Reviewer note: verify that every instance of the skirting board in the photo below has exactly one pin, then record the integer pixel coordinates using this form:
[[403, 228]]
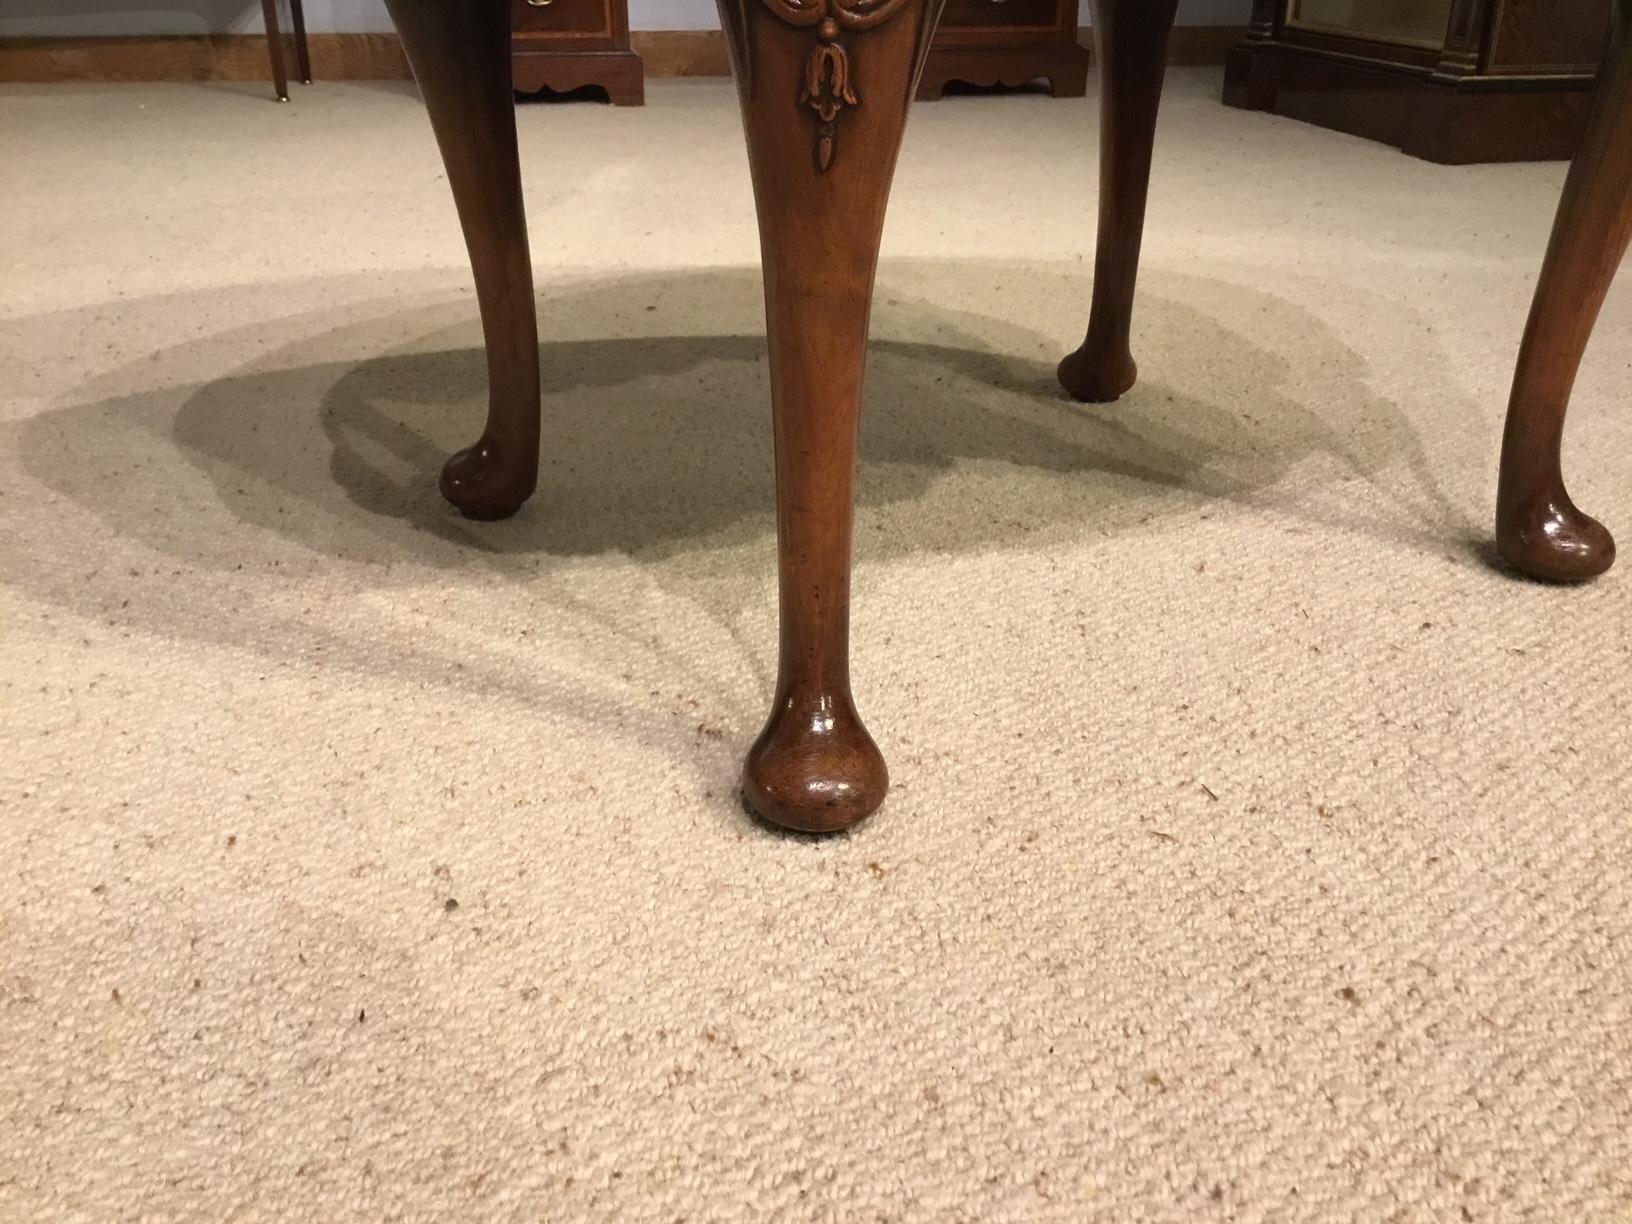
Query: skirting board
[[366, 57], [210, 57]]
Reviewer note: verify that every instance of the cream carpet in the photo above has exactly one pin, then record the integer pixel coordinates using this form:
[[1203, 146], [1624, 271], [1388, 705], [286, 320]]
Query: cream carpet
[[1258, 851]]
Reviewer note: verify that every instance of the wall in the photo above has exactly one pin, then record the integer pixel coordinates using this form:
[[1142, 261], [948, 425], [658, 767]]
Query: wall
[[43, 18]]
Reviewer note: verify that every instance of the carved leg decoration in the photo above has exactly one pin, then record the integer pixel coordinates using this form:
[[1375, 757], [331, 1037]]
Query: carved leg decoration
[[460, 53], [1130, 45], [824, 86], [1538, 528]]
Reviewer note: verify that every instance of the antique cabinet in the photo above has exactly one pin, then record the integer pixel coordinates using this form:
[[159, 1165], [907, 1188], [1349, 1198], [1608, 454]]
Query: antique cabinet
[[1447, 80], [567, 44], [1007, 42]]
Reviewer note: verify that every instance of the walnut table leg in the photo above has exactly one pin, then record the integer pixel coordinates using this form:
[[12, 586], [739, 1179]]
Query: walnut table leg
[[824, 86], [1538, 528], [1130, 41], [460, 53]]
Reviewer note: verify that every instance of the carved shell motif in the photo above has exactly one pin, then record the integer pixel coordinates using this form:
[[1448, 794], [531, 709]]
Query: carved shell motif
[[826, 87]]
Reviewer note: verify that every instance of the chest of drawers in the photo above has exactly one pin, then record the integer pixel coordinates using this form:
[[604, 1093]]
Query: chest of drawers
[[567, 44], [1452, 81], [1007, 42]]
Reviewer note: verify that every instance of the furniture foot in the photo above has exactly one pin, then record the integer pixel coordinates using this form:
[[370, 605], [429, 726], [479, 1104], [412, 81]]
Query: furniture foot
[[621, 73], [485, 483], [1100, 376], [1063, 64], [1070, 81], [1538, 528], [460, 54], [1554, 541], [814, 767], [1130, 41], [824, 86]]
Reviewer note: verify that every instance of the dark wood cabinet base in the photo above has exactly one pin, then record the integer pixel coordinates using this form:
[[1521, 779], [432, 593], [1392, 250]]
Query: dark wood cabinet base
[[1500, 80], [620, 73], [569, 44], [1063, 65], [1006, 42], [1451, 120]]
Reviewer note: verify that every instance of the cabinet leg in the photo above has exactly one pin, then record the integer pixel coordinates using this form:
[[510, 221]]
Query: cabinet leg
[[274, 49], [1538, 528], [303, 52], [824, 86], [460, 54], [1130, 45]]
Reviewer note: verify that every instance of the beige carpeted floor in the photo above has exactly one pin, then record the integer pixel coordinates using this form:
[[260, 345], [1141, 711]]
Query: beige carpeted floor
[[1257, 852]]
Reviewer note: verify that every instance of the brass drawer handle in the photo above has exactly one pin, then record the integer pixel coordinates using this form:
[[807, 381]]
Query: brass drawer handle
[[541, 3]]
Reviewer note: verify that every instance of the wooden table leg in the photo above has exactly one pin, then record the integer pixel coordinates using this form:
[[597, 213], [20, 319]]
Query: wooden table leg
[[1538, 528], [824, 86], [460, 54], [1130, 45]]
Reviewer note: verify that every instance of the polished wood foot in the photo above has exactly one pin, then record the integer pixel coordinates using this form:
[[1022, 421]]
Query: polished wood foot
[[1130, 43], [1539, 530], [460, 54], [814, 767], [824, 86]]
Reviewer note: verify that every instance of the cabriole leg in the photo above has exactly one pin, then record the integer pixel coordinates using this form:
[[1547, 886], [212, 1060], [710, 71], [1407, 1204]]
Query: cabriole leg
[[1538, 528], [1130, 46], [460, 53], [824, 88]]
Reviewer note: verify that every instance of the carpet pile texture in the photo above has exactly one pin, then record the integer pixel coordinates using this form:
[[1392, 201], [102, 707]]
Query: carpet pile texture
[[1258, 849]]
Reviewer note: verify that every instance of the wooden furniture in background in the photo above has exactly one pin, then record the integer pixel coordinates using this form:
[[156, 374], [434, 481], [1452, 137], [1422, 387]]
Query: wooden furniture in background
[[378, 56], [824, 86], [1007, 42], [274, 45], [1452, 81], [567, 44]]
